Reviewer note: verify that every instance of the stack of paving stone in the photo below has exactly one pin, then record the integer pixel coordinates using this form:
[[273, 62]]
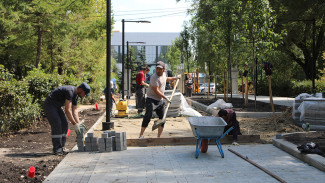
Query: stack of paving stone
[[109, 141], [312, 112], [91, 142], [80, 140], [296, 103], [175, 107]]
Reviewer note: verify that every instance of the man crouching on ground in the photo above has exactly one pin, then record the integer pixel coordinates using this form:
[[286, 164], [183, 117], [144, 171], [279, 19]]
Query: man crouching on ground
[[155, 95], [229, 115]]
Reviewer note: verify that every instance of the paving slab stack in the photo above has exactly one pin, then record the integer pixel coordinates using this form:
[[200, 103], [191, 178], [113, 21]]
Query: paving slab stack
[[108, 142], [296, 103], [175, 107], [309, 108], [313, 112]]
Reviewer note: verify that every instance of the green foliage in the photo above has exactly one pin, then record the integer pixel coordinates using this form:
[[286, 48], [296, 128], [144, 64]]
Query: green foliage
[[174, 56], [41, 84], [17, 109]]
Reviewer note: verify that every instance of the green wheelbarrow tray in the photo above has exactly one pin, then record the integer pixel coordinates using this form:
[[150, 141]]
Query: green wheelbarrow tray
[[208, 127]]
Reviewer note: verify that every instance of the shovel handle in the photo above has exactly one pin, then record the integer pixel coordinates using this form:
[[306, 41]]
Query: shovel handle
[[170, 98]]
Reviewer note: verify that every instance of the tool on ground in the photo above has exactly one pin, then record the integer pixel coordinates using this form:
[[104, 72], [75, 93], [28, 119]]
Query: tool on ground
[[31, 172], [205, 128], [258, 166], [159, 122]]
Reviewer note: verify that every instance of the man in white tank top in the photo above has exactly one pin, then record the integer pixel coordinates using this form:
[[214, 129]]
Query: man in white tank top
[[155, 94]]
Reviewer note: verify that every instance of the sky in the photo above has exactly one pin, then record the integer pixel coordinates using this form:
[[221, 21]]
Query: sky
[[164, 15]]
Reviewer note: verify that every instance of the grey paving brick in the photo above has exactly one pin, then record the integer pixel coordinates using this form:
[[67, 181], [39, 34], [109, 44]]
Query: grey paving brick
[[104, 135], [90, 134], [88, 139]]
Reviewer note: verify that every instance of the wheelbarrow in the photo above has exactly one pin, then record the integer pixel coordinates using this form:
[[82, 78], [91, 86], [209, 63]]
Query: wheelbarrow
[[208, 127]]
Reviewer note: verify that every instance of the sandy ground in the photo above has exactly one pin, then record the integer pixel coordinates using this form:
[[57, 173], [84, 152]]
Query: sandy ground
[[180, 127], [174, 127]]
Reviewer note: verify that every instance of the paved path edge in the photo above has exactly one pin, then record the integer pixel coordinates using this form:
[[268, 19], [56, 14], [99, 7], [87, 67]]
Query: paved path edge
[[314, 160]]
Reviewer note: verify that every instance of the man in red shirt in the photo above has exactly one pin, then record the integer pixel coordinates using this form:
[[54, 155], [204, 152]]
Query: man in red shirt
[[140, 91]]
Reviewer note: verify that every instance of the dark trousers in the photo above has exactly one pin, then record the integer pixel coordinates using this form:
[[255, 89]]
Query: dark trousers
[[234, 132], [59, 125], [153, 105], [188, 92], [140, 98]]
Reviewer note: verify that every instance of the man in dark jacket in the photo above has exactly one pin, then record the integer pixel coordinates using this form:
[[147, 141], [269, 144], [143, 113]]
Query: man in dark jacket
[[66, 96]]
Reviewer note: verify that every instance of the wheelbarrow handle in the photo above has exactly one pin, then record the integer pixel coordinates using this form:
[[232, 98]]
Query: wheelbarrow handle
[[231, 128]]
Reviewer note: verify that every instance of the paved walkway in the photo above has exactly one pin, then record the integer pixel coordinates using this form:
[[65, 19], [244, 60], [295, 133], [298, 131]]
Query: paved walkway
[[178, 164]]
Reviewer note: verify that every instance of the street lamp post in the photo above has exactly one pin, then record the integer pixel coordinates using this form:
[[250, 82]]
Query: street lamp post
[[107, 125], [128, 58], [123, 22]]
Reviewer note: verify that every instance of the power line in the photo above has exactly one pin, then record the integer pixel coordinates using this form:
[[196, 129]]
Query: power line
[[152, 9], [160, 16], [133, 13]]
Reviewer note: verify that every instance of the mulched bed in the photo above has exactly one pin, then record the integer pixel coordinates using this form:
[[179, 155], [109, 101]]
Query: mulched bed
[[33, 147]]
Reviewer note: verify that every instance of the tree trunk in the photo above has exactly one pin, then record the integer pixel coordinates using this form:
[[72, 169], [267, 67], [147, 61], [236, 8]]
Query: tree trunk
[[39, 45]]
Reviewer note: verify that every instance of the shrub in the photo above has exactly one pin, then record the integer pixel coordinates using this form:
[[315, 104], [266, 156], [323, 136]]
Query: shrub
[[41, 84], [17, 109]]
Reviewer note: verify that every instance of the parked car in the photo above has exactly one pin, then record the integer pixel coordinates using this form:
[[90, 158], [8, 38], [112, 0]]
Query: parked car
[[204, 88]]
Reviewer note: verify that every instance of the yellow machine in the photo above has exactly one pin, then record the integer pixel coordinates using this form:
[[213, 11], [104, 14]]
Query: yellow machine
[[122, 108]]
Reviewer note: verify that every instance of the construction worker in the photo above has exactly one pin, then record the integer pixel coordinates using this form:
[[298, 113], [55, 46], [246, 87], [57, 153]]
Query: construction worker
[[140, 90], [189, 85], [155, 94], [66, 96], [113, 98], [229, 115]]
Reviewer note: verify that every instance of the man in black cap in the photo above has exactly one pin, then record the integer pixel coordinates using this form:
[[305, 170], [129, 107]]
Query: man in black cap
[[155, 94], [66, 96]]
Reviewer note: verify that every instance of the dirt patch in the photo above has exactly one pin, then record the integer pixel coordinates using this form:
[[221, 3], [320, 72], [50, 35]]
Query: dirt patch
[[33, 147], [238, 105]]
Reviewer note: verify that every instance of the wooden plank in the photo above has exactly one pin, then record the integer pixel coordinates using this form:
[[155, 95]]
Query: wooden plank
[[187, 141]]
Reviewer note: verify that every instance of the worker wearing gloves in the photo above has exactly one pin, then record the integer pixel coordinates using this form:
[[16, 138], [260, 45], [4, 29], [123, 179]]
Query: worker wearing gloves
[[229, 115], [66, 96], [140, 89], [155, 94]]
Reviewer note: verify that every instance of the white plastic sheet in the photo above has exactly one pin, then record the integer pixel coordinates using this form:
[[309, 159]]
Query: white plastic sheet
[[220, 104], [187, 110]]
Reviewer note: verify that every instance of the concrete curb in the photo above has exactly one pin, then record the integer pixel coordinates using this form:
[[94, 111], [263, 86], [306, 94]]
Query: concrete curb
[[238, 113], [314, 160]]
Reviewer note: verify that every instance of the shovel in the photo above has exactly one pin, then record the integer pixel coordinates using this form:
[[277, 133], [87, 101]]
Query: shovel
[[159, 122]]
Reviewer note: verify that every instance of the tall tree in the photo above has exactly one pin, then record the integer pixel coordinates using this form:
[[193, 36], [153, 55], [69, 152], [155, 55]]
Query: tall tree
[[297, 18]]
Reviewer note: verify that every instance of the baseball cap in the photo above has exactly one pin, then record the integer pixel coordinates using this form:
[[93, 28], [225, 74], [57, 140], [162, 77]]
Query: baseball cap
[[161, 64], [85, 87]]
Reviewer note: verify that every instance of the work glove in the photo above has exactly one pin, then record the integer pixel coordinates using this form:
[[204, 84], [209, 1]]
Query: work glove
[[146, 85], [77, 128], [179, 76], [84, 127]]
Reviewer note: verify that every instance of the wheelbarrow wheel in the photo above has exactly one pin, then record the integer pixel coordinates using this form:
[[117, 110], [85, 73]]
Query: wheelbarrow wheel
[[204, 146]]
